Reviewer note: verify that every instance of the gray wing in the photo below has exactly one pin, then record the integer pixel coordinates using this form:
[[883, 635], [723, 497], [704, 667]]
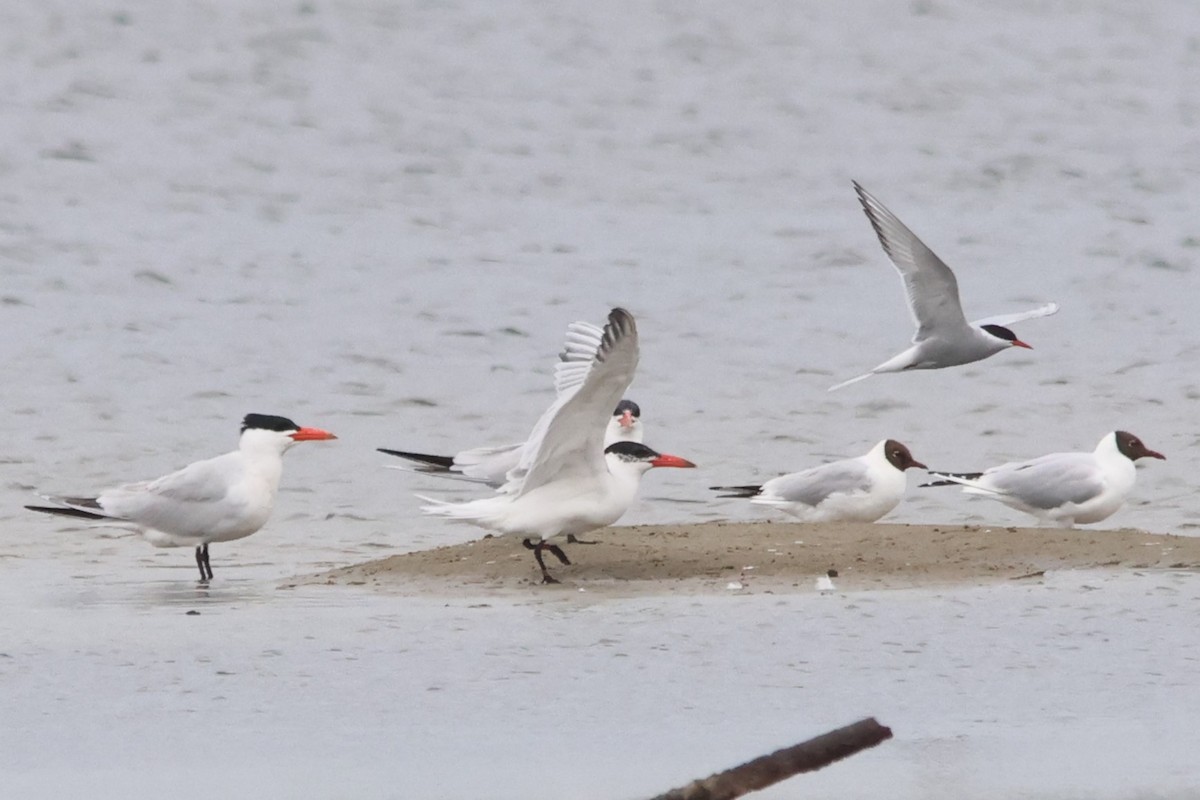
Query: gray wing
[[180, 501], [572, 444], [487, 464], [930, 286], [200, 482], [813, 486], [1048, 481]]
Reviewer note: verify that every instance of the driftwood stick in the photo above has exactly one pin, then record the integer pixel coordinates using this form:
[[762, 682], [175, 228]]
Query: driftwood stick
[[782, 764]]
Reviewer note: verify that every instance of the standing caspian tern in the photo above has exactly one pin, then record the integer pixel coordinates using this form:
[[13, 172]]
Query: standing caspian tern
[[1064, 489], [574, 483], [859, 489], [216, 500], [497, 466], [944, 338]]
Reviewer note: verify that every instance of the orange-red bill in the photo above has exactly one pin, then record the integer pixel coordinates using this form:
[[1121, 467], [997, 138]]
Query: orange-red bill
[[312, 435], [1019, 343], [665, 460]]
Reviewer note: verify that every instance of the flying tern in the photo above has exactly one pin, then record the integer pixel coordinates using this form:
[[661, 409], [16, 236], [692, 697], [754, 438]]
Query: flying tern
[[216, 500], [944, 338]]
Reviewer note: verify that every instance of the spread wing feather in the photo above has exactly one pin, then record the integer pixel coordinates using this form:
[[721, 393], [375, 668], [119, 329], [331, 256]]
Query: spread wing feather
[[571, 440]]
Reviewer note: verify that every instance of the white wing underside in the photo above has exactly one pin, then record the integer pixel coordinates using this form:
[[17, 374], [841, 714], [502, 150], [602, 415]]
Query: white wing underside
[[569, 437], [1004, 320], [505, 466], [583, 341]]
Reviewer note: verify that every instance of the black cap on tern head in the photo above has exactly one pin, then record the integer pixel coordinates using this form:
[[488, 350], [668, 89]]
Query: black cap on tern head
[[1000, 332], [632, 451], [1004, 334], [268, 422], [630, 406]]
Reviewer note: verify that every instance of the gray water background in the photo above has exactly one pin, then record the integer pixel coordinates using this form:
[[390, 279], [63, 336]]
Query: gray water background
[[378, 218]]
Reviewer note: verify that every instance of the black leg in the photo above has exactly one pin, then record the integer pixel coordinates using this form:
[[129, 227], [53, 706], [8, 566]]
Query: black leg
[[537, 554], [557, 551], [572, 540], [203, 563]]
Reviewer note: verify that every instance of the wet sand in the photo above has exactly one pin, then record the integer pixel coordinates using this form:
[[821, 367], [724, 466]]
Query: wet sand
[[719, 556]]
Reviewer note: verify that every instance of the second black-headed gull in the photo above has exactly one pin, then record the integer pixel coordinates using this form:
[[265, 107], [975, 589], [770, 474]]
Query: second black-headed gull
[[574, 483], [497, 466], [216, 500], [1063, 489], [860, 489], [944, 338]]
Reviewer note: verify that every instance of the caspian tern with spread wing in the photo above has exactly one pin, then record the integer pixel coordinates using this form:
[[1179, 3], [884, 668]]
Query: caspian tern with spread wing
[[944, 338], [574, 483], [1064, 489], [494, 465], [217, 500], [859, 489], [497, 466]]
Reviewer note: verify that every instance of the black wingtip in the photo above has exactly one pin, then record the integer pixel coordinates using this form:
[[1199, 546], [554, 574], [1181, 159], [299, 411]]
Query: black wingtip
[[620, 324], [619, 314], [441, 462], [66, 512], [967, 476], [737, 491]]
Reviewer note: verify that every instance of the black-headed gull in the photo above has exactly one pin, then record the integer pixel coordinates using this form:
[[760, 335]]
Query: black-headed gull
[[216, 500], [860, 489], [1063, 489], [944, 338], [574, 483], [497, 466]]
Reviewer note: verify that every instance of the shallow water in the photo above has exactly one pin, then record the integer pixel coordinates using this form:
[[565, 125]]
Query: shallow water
[[1076, 686], [379, 218]]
